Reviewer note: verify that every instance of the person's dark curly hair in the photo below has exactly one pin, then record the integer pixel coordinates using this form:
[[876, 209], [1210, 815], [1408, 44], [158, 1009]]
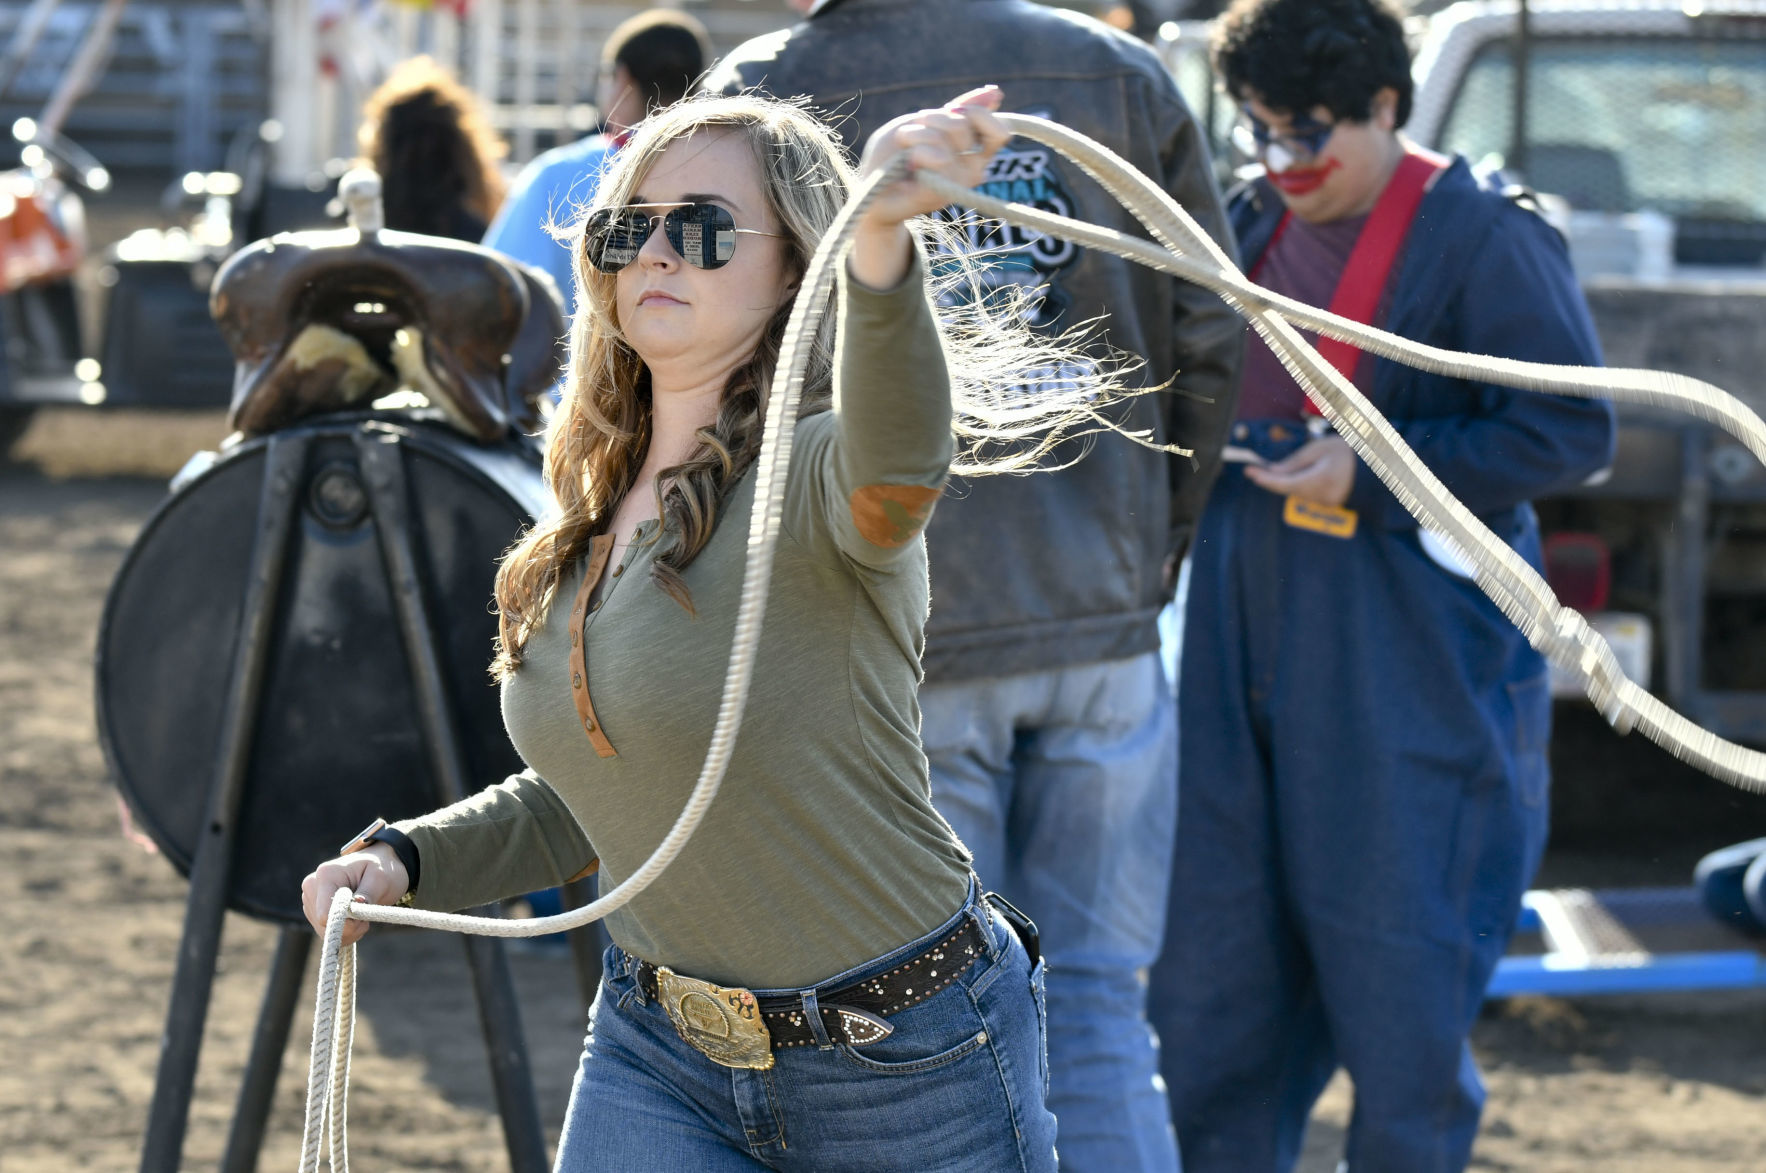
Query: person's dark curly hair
[[430, 141], [1293, 55]]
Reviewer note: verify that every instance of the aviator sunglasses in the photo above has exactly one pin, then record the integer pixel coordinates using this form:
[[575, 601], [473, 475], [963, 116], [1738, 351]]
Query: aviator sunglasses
[[703, 234]]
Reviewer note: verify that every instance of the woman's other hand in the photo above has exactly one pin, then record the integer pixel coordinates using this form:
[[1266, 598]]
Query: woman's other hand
[[956, 141], [374, 874]]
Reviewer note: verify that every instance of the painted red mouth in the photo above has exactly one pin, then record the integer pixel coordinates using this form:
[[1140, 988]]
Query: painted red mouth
[[1299, 181]]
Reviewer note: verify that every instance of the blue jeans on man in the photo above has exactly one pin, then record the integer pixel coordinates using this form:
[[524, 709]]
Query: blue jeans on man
[[1063, 785]]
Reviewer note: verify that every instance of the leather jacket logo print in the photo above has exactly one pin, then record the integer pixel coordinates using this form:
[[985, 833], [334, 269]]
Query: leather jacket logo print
[[1025, 173]]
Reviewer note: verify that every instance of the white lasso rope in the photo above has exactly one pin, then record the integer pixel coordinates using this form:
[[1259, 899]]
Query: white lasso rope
[[1557, 631]]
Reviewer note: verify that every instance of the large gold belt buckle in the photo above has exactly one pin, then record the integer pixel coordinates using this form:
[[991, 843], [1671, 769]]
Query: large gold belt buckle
[[722, 1024]]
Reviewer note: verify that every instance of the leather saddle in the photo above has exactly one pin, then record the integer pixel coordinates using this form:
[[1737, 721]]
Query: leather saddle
[[352, 318]]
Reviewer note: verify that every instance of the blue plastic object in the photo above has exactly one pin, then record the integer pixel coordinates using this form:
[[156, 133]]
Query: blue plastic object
[[1753, 888], [1720, 877]]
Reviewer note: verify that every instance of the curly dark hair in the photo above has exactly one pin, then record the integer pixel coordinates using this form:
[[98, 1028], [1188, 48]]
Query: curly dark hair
[[1297, 54], [435, 151]]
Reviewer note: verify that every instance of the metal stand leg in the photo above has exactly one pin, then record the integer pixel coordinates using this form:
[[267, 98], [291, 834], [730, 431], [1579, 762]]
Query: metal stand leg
[[499, 1016], [384, 473], [586, 943], [246, 1138], [211, 869], [1683, 580]]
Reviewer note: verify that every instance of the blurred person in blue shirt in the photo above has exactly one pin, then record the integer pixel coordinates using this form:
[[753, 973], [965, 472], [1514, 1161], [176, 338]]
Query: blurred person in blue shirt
[[649, 62]]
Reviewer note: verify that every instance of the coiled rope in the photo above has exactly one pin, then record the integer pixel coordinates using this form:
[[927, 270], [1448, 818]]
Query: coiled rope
[[1185, 251]]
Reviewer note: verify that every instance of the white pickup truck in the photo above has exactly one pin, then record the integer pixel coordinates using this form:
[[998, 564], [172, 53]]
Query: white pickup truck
[[1644, 131]]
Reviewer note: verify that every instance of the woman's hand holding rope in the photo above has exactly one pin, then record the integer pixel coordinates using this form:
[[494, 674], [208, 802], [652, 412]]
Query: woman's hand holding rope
[[373, 875], [954, 143]]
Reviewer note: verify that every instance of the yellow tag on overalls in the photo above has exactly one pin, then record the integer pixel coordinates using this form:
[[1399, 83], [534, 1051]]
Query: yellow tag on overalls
[[1329, 520]]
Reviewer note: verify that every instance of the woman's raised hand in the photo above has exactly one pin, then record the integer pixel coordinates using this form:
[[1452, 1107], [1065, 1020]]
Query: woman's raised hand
[[374, 875], [956, 141]]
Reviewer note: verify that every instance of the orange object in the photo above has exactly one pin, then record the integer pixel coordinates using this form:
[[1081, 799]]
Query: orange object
[[1329, 520], [33, 247]]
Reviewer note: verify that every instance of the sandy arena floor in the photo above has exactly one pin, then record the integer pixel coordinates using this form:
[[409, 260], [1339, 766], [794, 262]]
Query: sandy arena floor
[[91, 922]]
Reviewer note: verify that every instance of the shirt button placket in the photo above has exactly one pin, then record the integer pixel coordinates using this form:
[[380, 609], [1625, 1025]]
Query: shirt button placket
[[578, 640]]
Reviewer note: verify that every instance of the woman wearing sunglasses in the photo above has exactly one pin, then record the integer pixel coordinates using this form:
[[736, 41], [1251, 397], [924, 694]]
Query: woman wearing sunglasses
[[815, 983]]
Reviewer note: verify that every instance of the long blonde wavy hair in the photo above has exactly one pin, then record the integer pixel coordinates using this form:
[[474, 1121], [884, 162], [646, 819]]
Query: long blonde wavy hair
[[598, 437]]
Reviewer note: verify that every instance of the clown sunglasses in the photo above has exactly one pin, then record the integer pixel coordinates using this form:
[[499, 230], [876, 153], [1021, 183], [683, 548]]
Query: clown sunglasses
[[703, 234], [1304, 140]]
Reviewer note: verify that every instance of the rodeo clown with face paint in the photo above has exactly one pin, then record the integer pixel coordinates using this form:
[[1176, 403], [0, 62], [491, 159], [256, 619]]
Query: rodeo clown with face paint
[[1364, 776]]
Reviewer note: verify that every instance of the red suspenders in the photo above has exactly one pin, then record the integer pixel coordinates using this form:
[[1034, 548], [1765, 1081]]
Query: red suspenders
[[1364, 277]]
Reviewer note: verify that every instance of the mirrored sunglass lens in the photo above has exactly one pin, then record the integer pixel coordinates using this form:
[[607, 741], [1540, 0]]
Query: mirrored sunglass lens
[[615, 238], [704, 234]]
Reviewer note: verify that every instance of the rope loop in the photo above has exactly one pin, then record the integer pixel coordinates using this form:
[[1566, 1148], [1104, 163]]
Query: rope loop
[[1184, 250]]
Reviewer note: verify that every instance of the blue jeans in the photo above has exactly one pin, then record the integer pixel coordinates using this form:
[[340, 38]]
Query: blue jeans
[[1064, 786], [958, 1086]]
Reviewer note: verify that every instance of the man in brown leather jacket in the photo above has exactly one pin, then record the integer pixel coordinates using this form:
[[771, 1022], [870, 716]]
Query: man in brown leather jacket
[[1048, 722]]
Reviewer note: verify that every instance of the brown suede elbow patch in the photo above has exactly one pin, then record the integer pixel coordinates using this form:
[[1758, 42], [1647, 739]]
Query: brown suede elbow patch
[[891, 515]]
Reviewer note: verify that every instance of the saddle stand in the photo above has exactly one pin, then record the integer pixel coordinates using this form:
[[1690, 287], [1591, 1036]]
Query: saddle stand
[[298, 640]]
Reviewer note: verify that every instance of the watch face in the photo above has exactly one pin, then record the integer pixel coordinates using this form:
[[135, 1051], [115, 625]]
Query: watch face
[[361, 840]]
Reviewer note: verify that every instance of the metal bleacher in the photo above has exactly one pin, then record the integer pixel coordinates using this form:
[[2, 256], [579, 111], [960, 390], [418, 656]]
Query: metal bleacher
[[1575, 942], [185, 77], [182, 80]]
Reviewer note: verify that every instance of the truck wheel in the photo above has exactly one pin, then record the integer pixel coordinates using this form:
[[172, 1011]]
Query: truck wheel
[[13, 422]]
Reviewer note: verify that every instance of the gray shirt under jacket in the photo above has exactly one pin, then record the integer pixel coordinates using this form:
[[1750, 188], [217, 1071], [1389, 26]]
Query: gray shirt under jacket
[[822, 850]]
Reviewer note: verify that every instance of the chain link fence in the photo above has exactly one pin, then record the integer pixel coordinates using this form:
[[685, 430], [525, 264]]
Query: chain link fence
[[1675, 126]]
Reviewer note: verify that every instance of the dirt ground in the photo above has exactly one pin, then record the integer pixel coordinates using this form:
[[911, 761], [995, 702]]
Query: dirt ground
[[91, 926]]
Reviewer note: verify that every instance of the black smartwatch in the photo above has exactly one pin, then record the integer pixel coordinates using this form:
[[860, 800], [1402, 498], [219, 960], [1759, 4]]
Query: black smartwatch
[[379, 832]]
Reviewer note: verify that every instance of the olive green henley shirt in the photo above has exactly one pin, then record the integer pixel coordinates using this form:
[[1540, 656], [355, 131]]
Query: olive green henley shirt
[[822, 849]]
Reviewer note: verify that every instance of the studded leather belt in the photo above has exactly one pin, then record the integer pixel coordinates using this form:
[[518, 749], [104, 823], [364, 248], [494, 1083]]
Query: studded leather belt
[[855, 1014]]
